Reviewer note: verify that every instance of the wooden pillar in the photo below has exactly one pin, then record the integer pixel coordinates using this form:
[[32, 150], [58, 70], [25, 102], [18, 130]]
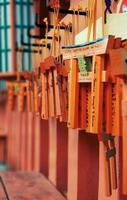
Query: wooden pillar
[[52, 149], [29, 138], [44, 147], [23, 144], [36, 141], [58, 156], [73, 136], [62, 157], [83, 166]]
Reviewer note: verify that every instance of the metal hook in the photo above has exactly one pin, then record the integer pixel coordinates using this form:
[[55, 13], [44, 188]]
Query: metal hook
[[33, 44], [37, 36], [49, 26]]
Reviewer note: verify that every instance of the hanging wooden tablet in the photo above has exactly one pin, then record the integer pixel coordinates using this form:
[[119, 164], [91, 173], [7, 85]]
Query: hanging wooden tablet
[[57, 92], [97, 95], [36, 103], [28, 91], [51, 94], [21, 96], [11, 96], [44, 82], [73, 95]]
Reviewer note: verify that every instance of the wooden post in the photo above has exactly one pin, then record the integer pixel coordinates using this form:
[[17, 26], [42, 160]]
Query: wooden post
[[44, 147], [52, 149], [62, 157], [23, 145], [29, 139], [36, 136], [73, 136]]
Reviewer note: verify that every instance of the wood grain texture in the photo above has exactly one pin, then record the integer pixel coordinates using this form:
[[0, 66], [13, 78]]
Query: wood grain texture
[[28, 186]]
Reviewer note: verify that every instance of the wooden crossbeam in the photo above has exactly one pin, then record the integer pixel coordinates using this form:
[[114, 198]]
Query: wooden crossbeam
[[97, 47]]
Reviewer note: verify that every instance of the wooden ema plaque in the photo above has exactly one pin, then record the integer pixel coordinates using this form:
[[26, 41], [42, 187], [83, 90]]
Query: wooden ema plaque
[[97, 95], [73, 95], [16, 89]]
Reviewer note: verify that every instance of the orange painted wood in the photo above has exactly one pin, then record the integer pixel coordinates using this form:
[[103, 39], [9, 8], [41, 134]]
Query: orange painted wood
[[21, 97], [97, 96], [73, 136], [23, 142], [52, 149], [36, 103], [82, 106], [124, 135], [64, 102], [36, 143], [57, 93], [88, 107], [45, 99], [44, 147], [88, 176], [28, 186], [73, 95], [62, 157], [28, 94], [29, 138], [116, 109], [118, 59], [51, 95]]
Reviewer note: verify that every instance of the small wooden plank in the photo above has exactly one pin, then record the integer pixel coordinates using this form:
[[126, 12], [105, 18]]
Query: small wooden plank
[[97, 95], [10, 75], [30, 186]]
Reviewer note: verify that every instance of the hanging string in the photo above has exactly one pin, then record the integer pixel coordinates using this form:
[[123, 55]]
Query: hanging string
[[46, 36], [53, 46], [74, 27], [108, 8], [103, 17]]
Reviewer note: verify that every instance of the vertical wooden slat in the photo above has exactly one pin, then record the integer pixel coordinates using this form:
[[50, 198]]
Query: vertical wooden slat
[[73, 164], [37, 143], [44, 147], [88, 166], [52, 149], [62, 156], [29, 138]]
